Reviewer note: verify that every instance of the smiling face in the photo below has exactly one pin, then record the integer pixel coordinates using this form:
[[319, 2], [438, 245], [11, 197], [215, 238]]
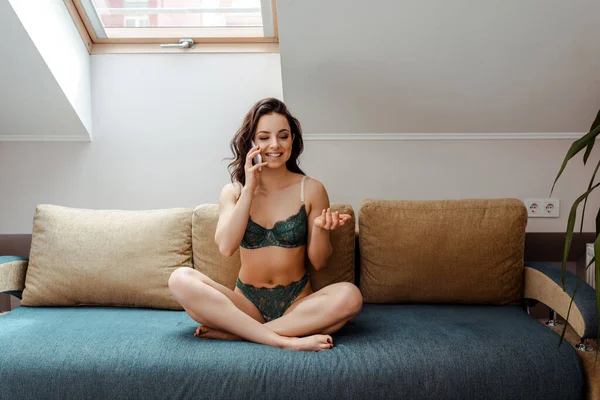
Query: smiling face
[[273, 136], [277, 133]]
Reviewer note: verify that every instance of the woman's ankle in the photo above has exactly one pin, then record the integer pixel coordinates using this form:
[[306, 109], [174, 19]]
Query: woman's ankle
[[282, 342]]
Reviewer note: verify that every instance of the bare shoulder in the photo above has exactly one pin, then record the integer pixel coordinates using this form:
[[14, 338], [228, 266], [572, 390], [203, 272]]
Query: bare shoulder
[[315, 193], [313, 186], [230, 192]]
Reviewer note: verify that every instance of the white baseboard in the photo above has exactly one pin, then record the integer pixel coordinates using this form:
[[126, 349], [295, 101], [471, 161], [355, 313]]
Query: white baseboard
[[443, 136], [44, 138], [351, 136]]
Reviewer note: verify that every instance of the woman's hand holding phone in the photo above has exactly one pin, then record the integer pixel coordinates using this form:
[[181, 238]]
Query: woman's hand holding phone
[[253, 171], [258, 158]]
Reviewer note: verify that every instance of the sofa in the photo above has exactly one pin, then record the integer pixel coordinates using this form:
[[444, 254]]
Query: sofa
[[445, 313]]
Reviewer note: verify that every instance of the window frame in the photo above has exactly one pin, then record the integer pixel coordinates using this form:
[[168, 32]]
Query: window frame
[[220, 42], [137, 21]]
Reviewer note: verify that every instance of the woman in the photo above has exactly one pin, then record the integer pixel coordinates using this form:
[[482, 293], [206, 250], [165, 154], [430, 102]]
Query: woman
[[278, 217]]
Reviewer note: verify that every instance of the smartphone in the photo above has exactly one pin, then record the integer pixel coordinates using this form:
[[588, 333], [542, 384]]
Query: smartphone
[[258, 158]]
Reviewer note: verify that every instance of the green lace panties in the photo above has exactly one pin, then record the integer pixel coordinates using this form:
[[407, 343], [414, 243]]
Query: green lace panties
[[272, 302]]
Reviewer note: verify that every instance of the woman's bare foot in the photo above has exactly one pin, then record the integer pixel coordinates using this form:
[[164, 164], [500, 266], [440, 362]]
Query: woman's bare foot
[[309, 343], [212, 333]]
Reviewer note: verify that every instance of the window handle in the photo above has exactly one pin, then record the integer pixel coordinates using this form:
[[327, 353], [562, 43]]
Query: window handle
[[183, 44]]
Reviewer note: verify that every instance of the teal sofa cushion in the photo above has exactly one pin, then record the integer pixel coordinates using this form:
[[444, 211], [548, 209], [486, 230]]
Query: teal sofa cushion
[[387, 352]]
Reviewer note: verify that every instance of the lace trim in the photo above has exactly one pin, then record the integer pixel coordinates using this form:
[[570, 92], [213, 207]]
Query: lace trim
[[288, 219]]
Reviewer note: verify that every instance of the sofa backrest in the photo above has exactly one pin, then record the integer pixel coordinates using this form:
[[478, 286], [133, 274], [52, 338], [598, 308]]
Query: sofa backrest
[[442, 251], [224, 270], [106, 257]]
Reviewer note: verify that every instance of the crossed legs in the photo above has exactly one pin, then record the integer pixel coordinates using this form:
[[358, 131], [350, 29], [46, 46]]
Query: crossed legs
[[306, 324]]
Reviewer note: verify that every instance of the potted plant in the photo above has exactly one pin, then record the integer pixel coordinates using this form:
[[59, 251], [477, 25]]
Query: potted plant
[[586, 142]]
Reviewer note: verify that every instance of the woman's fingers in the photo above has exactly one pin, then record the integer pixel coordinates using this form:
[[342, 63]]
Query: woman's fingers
[[257, 166], [342, 218], [332, 220], [345, 217], [251, 154], [335, 220]]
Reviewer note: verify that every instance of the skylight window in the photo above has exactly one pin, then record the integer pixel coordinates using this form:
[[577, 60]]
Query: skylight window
[[168, 21]]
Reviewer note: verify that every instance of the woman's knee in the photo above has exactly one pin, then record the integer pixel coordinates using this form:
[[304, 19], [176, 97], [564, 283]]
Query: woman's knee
[[350, 299], [182, 277], [178, 278]]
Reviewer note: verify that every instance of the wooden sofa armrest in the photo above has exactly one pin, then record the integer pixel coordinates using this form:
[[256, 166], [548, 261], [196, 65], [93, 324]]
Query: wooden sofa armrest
[[12, 275], [543, 282]]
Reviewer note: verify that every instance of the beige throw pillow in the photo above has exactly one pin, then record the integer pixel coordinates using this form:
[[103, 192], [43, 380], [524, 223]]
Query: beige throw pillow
[[442, 251], [106, 257]]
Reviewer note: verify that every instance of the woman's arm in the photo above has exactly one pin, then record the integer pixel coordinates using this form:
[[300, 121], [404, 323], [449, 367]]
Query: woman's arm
[[318, 244], [233, 218], [320, 222], [233, 211]]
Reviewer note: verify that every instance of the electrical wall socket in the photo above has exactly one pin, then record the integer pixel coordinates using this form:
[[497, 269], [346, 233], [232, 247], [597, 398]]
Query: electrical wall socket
[[543, 208]]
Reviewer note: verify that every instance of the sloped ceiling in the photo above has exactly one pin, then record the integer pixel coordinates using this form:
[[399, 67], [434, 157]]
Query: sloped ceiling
[[32, 103], [462, 66]]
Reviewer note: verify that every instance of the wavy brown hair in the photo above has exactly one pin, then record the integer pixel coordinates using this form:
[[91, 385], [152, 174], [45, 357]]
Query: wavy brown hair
[[241, 142]]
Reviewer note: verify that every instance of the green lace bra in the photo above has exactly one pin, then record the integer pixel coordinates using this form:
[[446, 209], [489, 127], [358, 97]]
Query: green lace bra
[[289, 233]]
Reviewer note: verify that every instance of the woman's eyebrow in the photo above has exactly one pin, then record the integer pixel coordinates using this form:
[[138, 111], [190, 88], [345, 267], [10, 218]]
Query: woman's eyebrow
[[280, 131]]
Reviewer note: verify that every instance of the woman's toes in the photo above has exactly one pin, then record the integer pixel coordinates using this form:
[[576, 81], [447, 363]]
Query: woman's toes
[[326, 339], [206, 332], [200, 330]]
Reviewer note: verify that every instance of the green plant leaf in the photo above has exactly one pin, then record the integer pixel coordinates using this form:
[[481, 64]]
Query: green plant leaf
[[579, 280], [596, 122], [587, 141], [585, 202], [597, 272], [570, 228], [575, 148], [588, 151], [598, 224], [591, 144]]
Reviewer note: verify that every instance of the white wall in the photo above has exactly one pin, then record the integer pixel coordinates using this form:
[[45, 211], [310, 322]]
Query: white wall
[[439, 66], [33, 93], [428, 170], [163, 125]]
